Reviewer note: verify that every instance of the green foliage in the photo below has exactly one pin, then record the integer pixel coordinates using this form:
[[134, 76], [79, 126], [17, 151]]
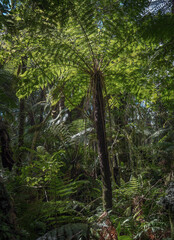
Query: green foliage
[[76, 231], [43, 168], [155, 226], [134, 213], [7, 93], [66, 42], [49, 193], [159, 27]]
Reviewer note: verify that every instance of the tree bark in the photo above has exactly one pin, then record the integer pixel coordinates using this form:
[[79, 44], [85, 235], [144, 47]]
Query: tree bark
[[99, 119]]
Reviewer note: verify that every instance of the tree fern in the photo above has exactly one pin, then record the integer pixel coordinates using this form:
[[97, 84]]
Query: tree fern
[[86, 48]]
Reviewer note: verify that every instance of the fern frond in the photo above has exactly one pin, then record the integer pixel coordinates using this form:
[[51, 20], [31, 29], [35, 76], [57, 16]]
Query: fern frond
[[71, 231], [133, 184]]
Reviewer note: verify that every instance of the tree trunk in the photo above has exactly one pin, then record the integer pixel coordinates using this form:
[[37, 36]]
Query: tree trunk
[[21, 130], [42, 98], [21, 69], [116, 170], [8, 227], [99, 118], [62, 103], [6, 153], [171, 218], [21, 122]]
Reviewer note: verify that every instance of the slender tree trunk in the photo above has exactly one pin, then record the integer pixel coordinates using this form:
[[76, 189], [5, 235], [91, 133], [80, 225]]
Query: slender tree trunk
[[37, 132], [6, 152], [171, 218], [21, 129], [21, 122], [116, 170], [21, 70], [172, 6], [42, 98], [99, 118], [7, 215], [62, 103]]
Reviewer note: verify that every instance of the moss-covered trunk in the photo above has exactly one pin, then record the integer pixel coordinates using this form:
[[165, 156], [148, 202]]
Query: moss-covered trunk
[[99, 118]]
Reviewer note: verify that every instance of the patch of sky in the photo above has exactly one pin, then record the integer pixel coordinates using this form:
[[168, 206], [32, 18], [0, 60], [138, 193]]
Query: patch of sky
[[143, 104], [164, 6]]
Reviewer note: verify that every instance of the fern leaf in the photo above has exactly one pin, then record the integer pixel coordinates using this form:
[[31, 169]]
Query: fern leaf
[[75, 231]]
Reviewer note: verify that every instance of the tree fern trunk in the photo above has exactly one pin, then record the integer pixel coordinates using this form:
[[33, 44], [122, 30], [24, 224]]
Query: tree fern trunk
[[99, 118]]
